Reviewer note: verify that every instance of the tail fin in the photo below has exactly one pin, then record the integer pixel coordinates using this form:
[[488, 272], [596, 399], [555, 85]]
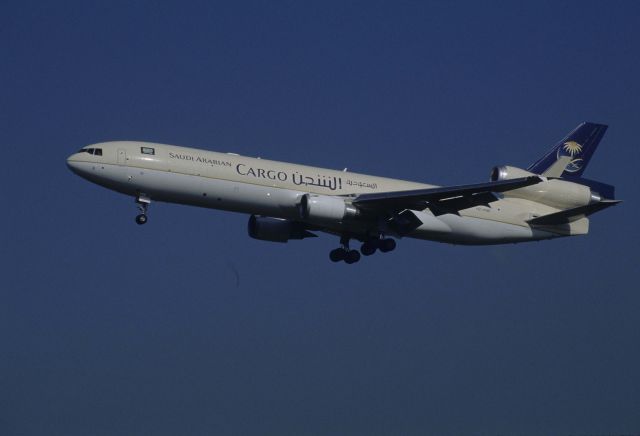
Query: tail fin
[[578, 145]]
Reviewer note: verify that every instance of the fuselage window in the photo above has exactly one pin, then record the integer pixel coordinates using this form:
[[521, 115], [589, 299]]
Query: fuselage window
[[98, 152], [147, 150]]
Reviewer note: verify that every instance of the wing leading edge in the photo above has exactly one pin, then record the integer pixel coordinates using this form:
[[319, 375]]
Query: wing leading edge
[[441, 200]]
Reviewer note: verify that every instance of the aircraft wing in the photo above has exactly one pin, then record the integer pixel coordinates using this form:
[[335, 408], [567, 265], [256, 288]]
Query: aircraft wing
[[441, 200]]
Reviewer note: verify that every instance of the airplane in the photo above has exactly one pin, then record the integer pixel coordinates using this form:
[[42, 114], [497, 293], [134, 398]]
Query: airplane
[[285, 201]]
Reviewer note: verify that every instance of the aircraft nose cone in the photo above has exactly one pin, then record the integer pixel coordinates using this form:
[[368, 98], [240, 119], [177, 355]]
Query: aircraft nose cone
[[72, 163]]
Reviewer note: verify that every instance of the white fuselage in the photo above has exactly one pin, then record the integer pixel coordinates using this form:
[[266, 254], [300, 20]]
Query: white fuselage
[[262, 187]]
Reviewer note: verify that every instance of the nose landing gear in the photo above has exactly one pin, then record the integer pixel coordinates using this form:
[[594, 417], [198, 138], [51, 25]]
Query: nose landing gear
[[143, 205]]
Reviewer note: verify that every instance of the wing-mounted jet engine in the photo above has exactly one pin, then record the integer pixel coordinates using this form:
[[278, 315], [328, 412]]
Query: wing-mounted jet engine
[[271, 229], [320, 209]]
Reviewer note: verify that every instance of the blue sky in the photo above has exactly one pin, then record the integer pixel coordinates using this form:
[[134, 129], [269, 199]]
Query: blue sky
[[188, 326]]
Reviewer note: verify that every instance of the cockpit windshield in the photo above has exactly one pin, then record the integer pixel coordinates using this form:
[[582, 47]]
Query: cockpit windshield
[[94, 151]]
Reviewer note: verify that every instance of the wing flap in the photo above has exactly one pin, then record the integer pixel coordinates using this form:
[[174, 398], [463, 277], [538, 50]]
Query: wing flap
[[405, 222]]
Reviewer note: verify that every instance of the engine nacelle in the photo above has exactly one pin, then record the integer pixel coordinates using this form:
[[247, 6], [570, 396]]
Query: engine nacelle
[[271, 229], [557, 193], [323, 208], [506, 172]]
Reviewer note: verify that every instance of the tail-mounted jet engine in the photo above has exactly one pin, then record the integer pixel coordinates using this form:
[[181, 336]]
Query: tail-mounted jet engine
[[325, 209], [271, 229], [557, 193]]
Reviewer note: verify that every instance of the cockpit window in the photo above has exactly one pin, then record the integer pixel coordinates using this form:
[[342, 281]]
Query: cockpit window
[[94, 151], [147, 150]]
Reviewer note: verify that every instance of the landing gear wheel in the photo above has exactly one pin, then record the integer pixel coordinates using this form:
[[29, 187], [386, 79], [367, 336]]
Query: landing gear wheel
[[368, 248], [337, 255], [352, 257], [387, 245], [141, 219], [344, 252]]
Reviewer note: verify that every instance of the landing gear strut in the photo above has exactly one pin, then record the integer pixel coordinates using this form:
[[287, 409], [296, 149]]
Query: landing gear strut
[[344, 253], [143, 205]]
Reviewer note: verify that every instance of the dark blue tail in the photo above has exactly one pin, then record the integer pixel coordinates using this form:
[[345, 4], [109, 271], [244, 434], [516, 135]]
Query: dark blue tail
[[579, 145]]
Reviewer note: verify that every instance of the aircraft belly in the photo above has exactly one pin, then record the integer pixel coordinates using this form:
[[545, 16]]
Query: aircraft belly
[[477, 231], [216, 193]]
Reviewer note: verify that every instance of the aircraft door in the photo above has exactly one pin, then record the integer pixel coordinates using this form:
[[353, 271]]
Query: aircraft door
[[122, 156]]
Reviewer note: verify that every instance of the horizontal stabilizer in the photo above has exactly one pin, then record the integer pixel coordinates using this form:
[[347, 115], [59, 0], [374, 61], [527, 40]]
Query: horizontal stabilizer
[[570, 215]]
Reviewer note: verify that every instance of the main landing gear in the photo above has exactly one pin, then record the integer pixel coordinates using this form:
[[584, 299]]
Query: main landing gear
[[344, 253], [143, 205], [368, 248], [385, 245]]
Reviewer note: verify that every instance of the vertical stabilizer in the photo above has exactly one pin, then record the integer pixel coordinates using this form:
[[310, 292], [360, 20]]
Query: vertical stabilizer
[[578, 146]]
